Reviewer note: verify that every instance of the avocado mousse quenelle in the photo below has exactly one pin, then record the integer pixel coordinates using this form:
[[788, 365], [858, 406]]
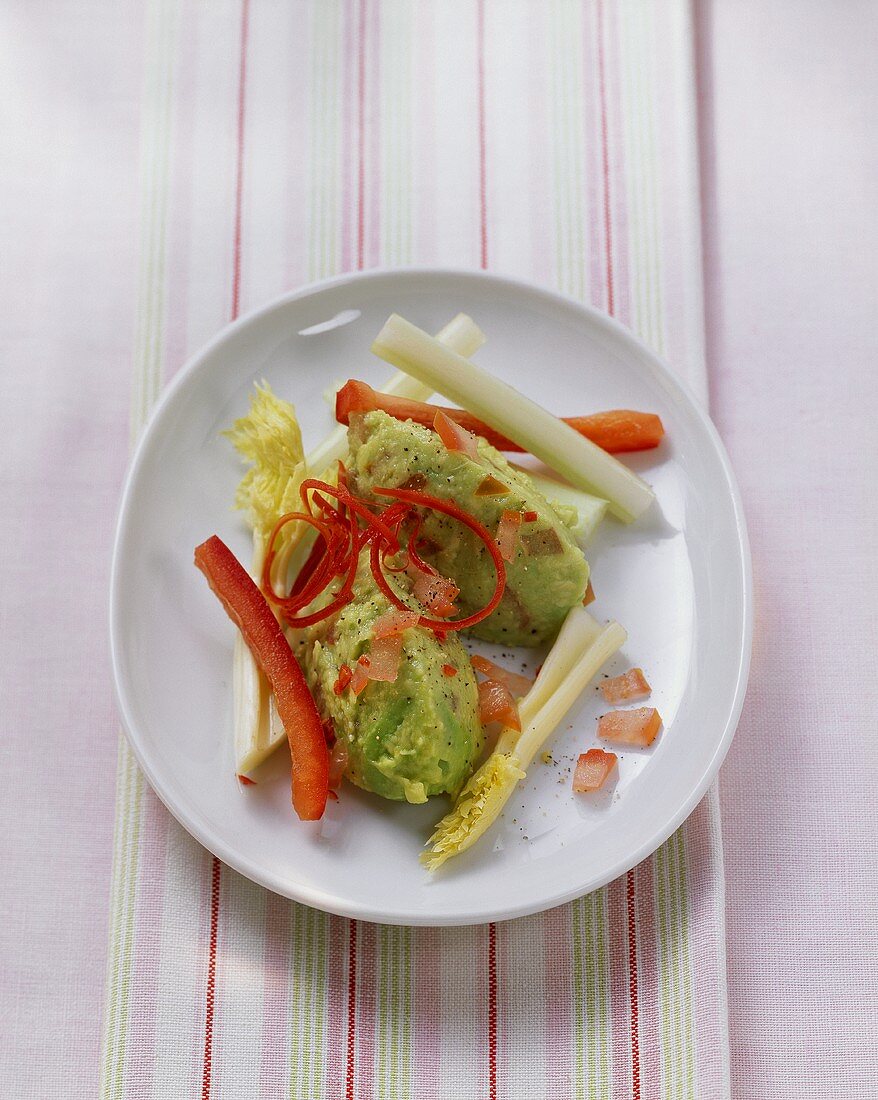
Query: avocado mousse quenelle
[[409, 737], [546, 573]]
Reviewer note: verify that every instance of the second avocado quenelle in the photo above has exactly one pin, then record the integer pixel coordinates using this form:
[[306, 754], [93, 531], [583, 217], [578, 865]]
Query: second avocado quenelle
[[547, 574]]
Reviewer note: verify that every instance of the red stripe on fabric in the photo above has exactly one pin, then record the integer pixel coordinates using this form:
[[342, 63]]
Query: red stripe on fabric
[[239, 161], [361, 135], [605, 157], [632, 986], [483, 160], [210, 994], [492, 1011], [352, 1010]]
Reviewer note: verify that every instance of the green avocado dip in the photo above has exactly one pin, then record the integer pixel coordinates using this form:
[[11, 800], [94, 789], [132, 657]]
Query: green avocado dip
[[548, 574], [410, 739]]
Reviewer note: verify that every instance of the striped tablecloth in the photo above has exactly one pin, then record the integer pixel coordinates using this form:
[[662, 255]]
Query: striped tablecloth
[[283, 142]]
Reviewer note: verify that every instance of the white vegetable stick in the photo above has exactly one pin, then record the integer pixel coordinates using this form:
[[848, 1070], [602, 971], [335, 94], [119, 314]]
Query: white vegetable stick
[[461, 334], [536, 430], [256, 736]]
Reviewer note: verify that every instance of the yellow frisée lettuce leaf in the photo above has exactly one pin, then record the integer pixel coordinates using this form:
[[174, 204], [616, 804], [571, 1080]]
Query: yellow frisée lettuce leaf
[[269, 438]]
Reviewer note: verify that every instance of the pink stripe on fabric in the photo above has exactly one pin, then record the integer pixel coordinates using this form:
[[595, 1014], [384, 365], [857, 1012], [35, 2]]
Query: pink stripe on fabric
[[426, 978], [239, 158], [140, 1047], [349, 141], [423, 167], [277, 978], [296, 228], [542, 235], [361, 133], [620, 1016], [648, 985], [558, 1023], [676, 338], [176, 349], [374, 140]]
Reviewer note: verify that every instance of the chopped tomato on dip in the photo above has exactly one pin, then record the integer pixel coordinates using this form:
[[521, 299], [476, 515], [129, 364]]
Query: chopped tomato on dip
[[626, 688], [592, 769], [454, 436], [638, 727], [360, 676], [393, 622], [497, 705], [384, 658], [249, 611], [507, 534]]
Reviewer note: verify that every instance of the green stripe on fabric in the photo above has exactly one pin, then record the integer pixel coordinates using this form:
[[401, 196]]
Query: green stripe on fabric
[[118, 891], [577, 920], [688, 1003], [160, 40], [665, 999]]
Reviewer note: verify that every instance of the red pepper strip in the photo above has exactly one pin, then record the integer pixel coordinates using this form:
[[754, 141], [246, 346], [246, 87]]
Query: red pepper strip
[[323, 528], [615, 431], [344, 594], [355, 505], [248, 609], [424, 500], [311, 562]]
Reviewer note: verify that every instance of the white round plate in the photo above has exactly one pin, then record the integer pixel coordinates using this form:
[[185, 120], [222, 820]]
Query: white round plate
[[678, 580]]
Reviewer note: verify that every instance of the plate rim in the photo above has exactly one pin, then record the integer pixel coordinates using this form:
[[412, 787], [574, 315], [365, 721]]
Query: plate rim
[[331, 903]]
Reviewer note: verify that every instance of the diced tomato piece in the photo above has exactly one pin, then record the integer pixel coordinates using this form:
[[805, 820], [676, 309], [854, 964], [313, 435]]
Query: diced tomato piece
[[384, 658], [630, 727], [518, 685], [629, 686], [454, 436], [589, 596], [507, 534], [492, 487], [592, 769], [344, 678], [360, 676], [436, 593], [393, 622], [338, 761], [497, 705], [449, 670], [531, 517], [616, 430], [248, 609]]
